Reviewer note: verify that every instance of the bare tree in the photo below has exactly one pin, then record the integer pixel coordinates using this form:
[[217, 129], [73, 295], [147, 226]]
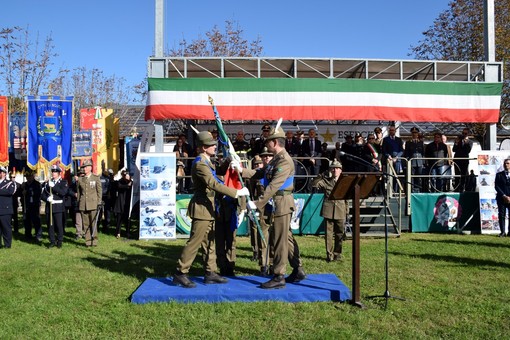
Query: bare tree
[[228, 42], [26, 68]]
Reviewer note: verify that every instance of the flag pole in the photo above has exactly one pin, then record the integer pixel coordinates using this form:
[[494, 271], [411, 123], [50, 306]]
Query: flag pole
[[231, 150]]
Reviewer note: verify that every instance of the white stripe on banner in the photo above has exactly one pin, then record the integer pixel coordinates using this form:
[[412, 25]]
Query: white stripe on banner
[[324, 99]]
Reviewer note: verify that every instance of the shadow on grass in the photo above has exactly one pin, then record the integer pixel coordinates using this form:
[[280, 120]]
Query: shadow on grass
[[140, 266], [467, 242], [464, 261]]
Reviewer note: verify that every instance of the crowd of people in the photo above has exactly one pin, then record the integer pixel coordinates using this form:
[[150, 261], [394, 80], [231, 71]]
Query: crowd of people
[[431, 164], [88, 200]]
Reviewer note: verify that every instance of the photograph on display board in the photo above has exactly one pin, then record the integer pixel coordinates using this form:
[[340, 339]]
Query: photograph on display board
[[157, 196]]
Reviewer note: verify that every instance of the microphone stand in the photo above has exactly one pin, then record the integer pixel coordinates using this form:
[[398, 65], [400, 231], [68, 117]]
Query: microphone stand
[[386, 295]]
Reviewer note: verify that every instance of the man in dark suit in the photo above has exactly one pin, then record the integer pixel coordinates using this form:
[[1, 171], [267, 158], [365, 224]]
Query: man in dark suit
[[393, 148], [462, 148], [291, 144], [53, 193], [7, 190], [414, 153], [437, 152], [502, 186], [312, 148]]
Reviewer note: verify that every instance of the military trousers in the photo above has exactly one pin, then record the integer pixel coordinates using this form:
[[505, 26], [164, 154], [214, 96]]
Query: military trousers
[[286, 249], [201, 237], [334, 234], [265, 257], [89, 221]]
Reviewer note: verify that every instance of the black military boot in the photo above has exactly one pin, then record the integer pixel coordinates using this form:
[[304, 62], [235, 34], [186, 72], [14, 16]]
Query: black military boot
[[278, 281], [264, 271], [182, 279], [212, 277], [298, 274]]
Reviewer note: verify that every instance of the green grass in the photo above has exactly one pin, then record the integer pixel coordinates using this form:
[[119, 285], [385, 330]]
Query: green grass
[[455, 286]]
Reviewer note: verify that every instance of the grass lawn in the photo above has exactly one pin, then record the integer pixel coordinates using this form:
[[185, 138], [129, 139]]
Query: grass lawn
[[455, 286]]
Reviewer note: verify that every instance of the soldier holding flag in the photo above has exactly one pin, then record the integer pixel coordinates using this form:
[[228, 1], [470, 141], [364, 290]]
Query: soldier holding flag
[[201, 210], [280, 184]]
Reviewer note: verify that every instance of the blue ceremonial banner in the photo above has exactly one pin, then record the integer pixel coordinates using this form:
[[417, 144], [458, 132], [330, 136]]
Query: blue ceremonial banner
[[50, 130]]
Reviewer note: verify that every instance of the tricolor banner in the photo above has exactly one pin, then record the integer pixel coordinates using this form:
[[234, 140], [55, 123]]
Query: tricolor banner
[[50, 130], [330, 99], [4, 142]]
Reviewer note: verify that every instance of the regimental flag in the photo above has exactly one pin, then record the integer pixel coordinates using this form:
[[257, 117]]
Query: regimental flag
[[50, 130], [4, 141], [18, 135], [337, 99], [94, 120]]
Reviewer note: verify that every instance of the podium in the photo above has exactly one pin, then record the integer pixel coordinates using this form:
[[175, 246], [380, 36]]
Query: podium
[[355, 186]]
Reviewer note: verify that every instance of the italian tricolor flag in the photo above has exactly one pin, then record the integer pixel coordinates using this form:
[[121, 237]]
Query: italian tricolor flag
[[323, 99]]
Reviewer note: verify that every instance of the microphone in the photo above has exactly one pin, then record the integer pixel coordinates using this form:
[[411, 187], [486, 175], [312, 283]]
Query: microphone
[[360, 160]]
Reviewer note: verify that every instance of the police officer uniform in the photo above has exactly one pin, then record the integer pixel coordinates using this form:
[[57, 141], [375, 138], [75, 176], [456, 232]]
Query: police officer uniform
[[7, 190], [53, 193], [280, 177], [334, 213], [31, 195], [201, 210]]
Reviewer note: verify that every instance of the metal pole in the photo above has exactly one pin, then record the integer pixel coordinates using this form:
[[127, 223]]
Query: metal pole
[[490, 56], [159, 31]]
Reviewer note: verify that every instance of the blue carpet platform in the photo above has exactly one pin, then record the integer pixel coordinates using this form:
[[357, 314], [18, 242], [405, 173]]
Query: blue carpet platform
[[316, 287]]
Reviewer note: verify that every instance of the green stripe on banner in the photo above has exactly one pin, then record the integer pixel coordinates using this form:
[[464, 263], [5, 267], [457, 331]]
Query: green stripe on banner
[[323, 85]]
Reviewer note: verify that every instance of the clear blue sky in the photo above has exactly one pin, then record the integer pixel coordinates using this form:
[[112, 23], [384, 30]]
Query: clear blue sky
[[117, 36]]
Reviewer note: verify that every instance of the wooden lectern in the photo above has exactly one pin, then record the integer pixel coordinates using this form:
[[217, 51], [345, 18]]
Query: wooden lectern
[[355, 186]]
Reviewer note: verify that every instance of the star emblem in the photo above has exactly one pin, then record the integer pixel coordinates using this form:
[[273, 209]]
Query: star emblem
[[328, 136]]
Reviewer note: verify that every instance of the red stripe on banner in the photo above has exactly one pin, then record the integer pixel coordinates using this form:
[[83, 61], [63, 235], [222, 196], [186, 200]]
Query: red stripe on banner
[[4, 131], [161, 112]]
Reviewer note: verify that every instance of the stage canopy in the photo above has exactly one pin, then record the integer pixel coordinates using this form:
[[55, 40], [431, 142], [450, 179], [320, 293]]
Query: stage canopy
[[323, 99]]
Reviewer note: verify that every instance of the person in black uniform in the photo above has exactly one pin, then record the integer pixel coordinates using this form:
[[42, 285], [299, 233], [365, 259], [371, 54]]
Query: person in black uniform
[[105, 197], [15, 204], [502, 186], [7, 190], [53, 193], [123, 189], [31, 195]]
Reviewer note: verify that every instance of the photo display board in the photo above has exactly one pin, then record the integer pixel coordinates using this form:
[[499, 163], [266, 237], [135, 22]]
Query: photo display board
[[157, 195]]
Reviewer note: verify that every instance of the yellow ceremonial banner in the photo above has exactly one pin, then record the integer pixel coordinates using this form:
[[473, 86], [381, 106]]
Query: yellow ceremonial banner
[[112, 139], [100, 141]]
